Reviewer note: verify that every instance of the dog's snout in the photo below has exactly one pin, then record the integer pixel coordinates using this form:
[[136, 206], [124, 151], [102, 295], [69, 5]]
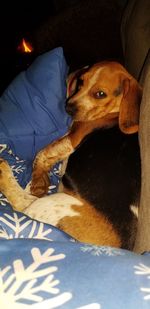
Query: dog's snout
[[71, 109]]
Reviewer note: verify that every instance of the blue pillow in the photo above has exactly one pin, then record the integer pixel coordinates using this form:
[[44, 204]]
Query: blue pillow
[[32, 108]]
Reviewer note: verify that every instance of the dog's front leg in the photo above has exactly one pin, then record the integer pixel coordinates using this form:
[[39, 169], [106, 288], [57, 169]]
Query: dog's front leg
[[44, 161], [53, 153]]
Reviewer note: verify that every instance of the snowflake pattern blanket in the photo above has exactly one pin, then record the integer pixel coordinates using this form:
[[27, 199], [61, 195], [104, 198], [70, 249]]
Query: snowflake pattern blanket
[[41, 266]]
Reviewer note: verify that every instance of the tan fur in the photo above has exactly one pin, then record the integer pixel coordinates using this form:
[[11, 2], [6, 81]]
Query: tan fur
[[97, 78], [90, 226], [108, 77], [80, 129]]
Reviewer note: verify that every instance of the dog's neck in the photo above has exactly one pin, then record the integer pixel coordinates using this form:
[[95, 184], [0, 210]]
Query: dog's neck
[[80, 129]]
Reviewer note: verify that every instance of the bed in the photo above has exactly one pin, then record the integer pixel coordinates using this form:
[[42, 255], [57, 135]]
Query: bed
[[41, 266]]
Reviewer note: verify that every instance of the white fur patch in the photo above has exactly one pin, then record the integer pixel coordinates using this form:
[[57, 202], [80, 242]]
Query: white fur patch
[[50, 209], [91, 83], [95, 77], [134, 210]]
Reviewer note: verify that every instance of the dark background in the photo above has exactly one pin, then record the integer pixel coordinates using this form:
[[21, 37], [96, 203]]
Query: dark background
[[17, 20], [25, 18]]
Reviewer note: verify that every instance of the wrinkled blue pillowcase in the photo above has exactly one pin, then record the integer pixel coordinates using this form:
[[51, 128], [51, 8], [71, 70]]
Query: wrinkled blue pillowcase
[[32, 108]]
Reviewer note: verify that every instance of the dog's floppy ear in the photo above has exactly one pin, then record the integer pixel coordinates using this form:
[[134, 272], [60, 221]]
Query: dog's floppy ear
[[130, 106]]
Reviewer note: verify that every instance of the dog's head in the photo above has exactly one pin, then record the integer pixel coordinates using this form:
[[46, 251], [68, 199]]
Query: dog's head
[[102, 90]]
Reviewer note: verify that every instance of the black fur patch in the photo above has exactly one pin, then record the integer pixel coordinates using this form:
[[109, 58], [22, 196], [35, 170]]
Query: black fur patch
[[106, 171]]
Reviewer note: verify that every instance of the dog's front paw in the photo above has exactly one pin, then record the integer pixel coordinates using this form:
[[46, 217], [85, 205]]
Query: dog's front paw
[[39, 185]]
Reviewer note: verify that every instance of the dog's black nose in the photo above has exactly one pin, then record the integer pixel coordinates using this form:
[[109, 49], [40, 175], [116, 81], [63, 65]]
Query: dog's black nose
[[71, 109]]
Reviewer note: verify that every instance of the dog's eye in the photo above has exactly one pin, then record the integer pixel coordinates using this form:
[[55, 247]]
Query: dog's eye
[[100, 95]]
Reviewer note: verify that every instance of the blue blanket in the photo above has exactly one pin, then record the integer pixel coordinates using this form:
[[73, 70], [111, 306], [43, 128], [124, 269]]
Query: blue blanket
[[42, 267], [32, 113], [32, 108]]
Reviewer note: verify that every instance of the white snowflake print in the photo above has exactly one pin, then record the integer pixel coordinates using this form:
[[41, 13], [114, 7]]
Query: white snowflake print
[[91, 306], [19, 227], [57, 169], [20, 288], [17, 169], [3, 200], [101, 250], [18, 160], [2, 147], [144, 270]]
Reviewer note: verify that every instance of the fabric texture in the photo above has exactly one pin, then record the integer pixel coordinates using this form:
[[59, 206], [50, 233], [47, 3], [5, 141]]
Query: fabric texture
[[32, 108], [135, 33], [143, 233]]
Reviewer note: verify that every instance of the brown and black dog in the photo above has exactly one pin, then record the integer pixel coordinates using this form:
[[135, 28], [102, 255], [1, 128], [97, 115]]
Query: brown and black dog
[[102, 96]]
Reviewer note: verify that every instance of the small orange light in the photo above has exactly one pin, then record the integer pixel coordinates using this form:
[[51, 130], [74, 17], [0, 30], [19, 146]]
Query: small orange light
[[25, 47]]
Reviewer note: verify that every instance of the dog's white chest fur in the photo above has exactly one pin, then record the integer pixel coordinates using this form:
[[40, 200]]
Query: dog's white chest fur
[[51, 209]]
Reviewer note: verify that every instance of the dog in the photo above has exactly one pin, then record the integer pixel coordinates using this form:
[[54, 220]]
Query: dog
[[102, 96], [106, 93]]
